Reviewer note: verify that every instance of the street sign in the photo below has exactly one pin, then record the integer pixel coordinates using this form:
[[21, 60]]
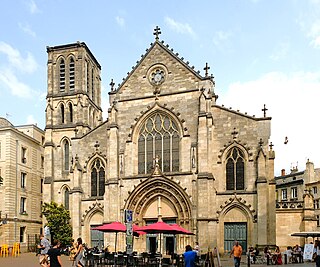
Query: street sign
[[128, 216], [129, 231]]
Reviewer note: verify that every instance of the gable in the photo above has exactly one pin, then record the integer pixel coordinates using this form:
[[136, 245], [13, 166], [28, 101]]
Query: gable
[[160, 72]]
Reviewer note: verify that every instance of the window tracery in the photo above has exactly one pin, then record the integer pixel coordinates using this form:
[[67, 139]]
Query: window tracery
[[158, 136], [235, 169], [97, 178]]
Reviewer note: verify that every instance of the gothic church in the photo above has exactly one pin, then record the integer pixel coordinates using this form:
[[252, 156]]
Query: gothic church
[[167, 151]]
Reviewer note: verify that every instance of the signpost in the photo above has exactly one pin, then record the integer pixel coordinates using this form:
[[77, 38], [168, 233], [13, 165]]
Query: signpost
[[129, 231]]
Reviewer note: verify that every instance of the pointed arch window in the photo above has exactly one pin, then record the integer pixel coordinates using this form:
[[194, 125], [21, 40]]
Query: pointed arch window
[[235, 169], [66, 198], [62, 74], [66, 150], [62, 113], [92, 85], [71, 74], [97, 178], [159, 136], [70, 113]]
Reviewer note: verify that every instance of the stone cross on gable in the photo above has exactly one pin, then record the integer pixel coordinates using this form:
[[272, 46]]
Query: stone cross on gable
[[206, 68], [97, 145], [261, 142], [234, 133], [157, 32], [264, 110], [112, 85], [271, 146]]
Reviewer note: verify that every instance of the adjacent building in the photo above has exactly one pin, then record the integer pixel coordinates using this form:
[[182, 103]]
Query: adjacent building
[[167, 151], [21, 172], [297, 203]]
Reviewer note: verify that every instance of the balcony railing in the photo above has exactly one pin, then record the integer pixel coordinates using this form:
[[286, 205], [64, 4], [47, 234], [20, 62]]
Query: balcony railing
[[290, 204]]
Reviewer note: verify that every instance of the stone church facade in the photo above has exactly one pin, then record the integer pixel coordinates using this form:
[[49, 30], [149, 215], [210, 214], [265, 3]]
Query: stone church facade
[[166, 151]]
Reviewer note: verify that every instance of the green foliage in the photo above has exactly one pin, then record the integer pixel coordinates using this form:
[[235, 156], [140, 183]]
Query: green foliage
[[58, 218]]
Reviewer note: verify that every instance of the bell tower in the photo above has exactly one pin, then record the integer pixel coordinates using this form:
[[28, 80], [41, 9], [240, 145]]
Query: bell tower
[[74, 90], [72, 110]]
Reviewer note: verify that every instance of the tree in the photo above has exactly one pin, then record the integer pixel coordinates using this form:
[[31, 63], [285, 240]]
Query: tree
[[58, 218]]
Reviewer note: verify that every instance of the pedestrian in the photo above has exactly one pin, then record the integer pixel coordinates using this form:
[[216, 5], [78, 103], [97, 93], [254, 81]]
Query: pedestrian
[[44, 247], [189, 257], [72, 252], [236, 252], [317, 253], [197, 248], [54, 254], [79, 253]]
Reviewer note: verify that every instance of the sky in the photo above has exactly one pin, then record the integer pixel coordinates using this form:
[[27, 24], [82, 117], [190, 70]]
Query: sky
[[259, 51]]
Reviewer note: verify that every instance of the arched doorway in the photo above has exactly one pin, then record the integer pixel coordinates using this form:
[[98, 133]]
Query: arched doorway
[[235, 227], [161, 198]]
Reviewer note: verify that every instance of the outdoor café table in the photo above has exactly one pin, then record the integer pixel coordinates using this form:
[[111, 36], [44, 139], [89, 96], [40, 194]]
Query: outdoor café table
[[297, 257], [98, 257]]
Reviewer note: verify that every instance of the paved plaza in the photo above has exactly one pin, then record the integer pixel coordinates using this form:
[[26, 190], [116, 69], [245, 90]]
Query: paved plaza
[[30, 260]]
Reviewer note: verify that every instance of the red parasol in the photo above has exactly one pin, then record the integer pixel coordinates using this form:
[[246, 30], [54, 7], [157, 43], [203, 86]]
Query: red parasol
[[179, 228], [116, 227], [159, 227]]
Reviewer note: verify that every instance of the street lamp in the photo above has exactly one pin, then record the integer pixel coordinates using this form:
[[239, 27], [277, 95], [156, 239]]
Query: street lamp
[[4, 220]]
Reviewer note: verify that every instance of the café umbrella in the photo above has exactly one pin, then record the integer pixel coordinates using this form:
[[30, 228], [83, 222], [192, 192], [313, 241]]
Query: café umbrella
[[179, 228], [161, 227], [116, 227]]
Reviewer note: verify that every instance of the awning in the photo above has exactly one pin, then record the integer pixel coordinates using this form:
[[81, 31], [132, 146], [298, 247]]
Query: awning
[[307, 234]]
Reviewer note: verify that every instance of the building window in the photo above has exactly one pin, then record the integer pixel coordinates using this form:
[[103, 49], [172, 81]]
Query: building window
[[23, 201], [318, 220], [66, 155], [71, 74], [23, 155], [235, 170], [23, 179], [22, 234], [294, 193], [277, 195], [0, 150], [66, 198], [158, 136], [62, 113], [70, 113], [88, 77], [315, 190], [97, 178], [42, 162], [92, 84], [41, 187], [62, 71], [284, 194]]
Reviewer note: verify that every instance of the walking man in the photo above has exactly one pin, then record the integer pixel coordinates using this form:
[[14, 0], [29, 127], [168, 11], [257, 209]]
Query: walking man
[[44, 247], [236, 252]]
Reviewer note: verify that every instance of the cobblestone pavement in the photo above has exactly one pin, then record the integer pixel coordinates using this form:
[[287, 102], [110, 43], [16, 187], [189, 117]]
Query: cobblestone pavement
[[30, 260]]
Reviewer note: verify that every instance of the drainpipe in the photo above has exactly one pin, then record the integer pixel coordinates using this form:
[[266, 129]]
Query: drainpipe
[[16, 196]]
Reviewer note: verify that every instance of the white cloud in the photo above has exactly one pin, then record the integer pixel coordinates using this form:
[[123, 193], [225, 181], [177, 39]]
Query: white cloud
[[15, 59], [280, 52], [33, 8], [31, 120], [221, 38], [27, 29], [292, 101], [8, 78], [120, 21], [179, 27]]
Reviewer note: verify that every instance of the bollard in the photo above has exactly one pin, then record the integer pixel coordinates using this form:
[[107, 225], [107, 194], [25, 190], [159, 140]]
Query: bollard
[[285, 259], [268, 258], [248, 259]]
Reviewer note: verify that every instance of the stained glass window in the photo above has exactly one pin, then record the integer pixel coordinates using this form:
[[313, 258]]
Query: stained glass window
[[97, 178], [158, 136], [235, 170]]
